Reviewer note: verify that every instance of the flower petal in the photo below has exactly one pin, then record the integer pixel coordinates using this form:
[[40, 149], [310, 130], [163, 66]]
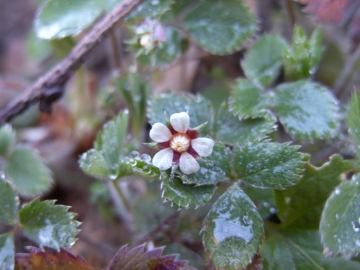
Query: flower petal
[[203, 146], [188, 163], [160, 133], [180, 121], [163, 159]]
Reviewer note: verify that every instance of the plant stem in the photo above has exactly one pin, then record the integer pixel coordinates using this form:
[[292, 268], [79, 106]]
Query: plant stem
[[120, 200]]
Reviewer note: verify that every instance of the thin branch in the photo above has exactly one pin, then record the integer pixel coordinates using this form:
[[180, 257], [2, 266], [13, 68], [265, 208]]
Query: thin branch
[[50, 87]]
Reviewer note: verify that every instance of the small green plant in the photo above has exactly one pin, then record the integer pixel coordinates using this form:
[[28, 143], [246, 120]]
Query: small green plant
[[233, 180]]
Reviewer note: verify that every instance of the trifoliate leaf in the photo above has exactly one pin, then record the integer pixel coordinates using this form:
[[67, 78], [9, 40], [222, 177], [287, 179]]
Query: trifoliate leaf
[[213, 170], [230, 130], [264, 60], [301, 206], [232, 230], [49, 224], [198, 108], [354, 121], [220, 26], [137, 258], [164, 53], [284, 250], [248, 100], [340, 220], [26, 170], [184, 195], [9, 203], [150, 9], [110, 139], [60, 18], [302, 58], [47, 258], [7, 140], [269, 165], [7, 252], [306, 109]]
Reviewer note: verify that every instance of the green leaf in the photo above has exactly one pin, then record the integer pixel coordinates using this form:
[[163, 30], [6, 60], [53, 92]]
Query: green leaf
[[306, 109], [9, 202], [300, 250], [7, 140], [150, 9], [230, 130], [264, 60], [199, 109], [93, 163], [26, 170], [61, 18], [47, 258], [269, 165], [184, 195], [302, 58], [354, 121], [164, 53], [301, 206], [248, 100], [7, 252], [340, 220], [49, 224], [213, 170], [110, 139], [232, 230], [220, 26]]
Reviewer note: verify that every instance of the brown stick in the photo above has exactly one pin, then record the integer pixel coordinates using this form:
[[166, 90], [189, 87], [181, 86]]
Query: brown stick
[[50, 87]]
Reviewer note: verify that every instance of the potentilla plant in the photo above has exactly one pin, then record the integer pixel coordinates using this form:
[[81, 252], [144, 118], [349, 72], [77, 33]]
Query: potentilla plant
[[257, 201]]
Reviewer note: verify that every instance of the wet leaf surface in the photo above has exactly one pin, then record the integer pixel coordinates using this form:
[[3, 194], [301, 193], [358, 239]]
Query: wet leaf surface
[[254, 129], [214, 169], [269, 165], [306, 109], [300, 250], [9, 202], [249, 100], [185, 195], [301, 59], [7, 140], [7, 252], [264, 60], [354, 121], [27, 171], [49, 224], [340, 221], [232, 230], [60, 18], [301, 206], [220, 26]]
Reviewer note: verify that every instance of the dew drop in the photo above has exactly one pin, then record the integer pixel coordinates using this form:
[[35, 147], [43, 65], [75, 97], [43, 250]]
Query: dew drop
[[134, 154], [146, 158], [337, 191]]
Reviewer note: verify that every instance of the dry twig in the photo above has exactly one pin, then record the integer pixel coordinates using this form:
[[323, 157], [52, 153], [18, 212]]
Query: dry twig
[[50, 87]]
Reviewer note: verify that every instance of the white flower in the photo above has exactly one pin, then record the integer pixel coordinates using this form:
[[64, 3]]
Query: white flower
[[179, 144]]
